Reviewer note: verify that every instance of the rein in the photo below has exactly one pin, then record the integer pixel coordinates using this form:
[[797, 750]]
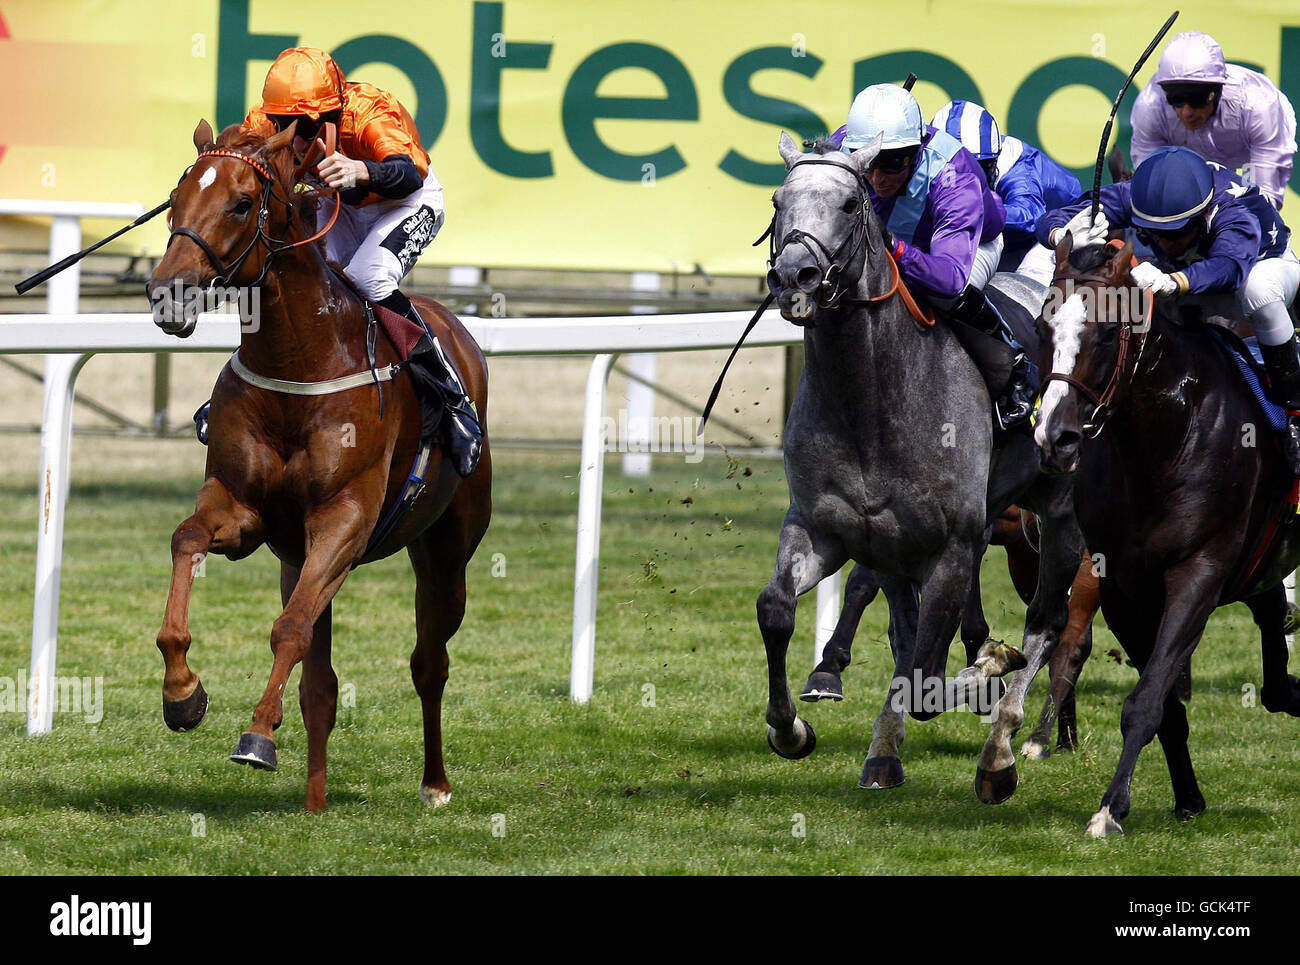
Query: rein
[[1102, 401]]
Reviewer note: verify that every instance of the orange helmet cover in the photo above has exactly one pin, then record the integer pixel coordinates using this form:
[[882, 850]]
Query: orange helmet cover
[[303, 80]]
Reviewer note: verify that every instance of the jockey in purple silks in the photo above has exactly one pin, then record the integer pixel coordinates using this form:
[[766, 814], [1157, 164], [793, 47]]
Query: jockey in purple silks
[[942, 222], [1225, 113]]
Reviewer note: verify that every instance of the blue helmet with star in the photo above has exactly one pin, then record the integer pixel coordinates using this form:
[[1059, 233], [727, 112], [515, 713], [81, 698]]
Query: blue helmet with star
[[1171, 186]]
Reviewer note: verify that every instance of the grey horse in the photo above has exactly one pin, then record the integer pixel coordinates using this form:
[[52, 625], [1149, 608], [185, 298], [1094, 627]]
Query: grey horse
[[892, 461]]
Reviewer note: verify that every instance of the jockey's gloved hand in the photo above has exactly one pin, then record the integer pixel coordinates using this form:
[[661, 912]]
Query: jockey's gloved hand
[[1081, 232], [895, 248], [1148, 276]]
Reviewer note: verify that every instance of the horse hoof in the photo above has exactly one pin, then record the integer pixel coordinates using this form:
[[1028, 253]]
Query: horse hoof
[[822, 686], [1185, 812], [1103, 825], [1034, 751], [807, 741], [188, 712], [434, 797], [994, 787], [881, 772], [995, 659], [255, 750]]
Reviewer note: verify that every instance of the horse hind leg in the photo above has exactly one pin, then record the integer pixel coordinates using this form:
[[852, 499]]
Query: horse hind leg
[[883, 767], [438, 557], [1280, 693], [996, 778], [803, 559], [1072, 652], [824, 682]]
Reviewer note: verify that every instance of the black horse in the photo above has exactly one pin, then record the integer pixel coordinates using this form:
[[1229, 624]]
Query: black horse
[[1181, 508]]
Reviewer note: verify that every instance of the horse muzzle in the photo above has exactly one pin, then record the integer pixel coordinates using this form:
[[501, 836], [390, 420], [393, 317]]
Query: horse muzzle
[[174, 315], [798, 284]]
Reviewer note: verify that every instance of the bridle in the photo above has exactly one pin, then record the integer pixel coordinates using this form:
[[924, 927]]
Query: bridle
[[226, 273], [831, 291], [1102, 401]]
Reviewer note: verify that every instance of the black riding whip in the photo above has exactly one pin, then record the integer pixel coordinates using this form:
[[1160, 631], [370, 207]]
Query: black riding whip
[[1105, 135], [27, 284]]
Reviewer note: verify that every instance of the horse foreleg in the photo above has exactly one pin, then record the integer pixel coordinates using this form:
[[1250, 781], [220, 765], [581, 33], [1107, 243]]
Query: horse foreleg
[[1061, 545], [219, 524], [824, 682], [803, 558], [1281, 691], [335, 538], [318, 692], [1192, 591]]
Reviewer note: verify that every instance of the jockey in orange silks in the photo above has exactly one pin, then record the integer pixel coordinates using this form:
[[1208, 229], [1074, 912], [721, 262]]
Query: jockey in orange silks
[[392, 204]]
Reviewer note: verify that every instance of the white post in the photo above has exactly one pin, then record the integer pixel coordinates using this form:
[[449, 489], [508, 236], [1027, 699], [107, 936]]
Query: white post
[[1289, 583], [466, 277], [640, 397], [52, 488], [828, 612], [591, 476]]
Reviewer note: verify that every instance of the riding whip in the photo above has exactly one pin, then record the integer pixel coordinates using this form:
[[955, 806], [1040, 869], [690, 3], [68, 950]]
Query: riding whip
[[27, 284], [1105, 135]]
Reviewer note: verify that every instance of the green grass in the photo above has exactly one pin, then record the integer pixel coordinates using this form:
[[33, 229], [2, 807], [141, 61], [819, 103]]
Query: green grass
[[687, 785]]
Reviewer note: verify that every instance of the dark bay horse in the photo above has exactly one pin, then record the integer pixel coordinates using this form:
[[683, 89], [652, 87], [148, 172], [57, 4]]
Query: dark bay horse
[[1170, 495], [891, 462], [308, 475]]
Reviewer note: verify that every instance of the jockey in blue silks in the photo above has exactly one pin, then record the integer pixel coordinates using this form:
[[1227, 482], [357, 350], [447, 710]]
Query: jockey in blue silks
[[1028, 181], [1214, 237], [943, 223]]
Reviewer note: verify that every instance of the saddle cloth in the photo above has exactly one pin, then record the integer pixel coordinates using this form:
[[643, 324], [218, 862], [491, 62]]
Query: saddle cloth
[[1249, 363]]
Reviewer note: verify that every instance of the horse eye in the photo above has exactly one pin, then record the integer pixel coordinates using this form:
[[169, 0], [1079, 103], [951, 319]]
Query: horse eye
[[243, 207], [848, 207]]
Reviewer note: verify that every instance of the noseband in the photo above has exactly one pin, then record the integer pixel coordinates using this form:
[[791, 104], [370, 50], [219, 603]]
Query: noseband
[[830, 290], [1102, 401], [273, 246]]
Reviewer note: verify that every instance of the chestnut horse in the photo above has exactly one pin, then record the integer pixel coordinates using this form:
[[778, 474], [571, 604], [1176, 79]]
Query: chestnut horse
[[309, 475]]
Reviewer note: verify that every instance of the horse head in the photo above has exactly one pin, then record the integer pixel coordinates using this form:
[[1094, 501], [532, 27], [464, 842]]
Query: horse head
[[238, 192], [1094, 320], [821, 230]]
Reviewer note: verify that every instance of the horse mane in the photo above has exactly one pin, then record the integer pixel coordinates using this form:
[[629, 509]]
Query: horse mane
[[820, 145], [279, 163]]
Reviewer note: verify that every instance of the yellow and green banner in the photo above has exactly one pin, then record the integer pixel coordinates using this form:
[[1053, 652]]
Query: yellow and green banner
[[572, 134]]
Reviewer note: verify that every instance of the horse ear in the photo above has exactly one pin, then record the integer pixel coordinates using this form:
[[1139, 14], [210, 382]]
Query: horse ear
[[790, 152], [203, 136], [864, 155], [1063, 249], [281, 139], [1122, 264]]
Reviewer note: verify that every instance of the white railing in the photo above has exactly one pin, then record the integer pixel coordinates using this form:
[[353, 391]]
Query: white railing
[[70, 339]]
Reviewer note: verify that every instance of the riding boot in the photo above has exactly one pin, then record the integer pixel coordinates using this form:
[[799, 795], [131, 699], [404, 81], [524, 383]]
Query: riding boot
[[462, 435], [1017, 402], [1283, 366]]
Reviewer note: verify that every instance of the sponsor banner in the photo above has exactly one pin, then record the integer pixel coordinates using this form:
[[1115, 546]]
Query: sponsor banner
[[621, 135]]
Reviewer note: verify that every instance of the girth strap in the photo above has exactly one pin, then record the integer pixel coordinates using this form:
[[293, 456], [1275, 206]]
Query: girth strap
[[328, 387]]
